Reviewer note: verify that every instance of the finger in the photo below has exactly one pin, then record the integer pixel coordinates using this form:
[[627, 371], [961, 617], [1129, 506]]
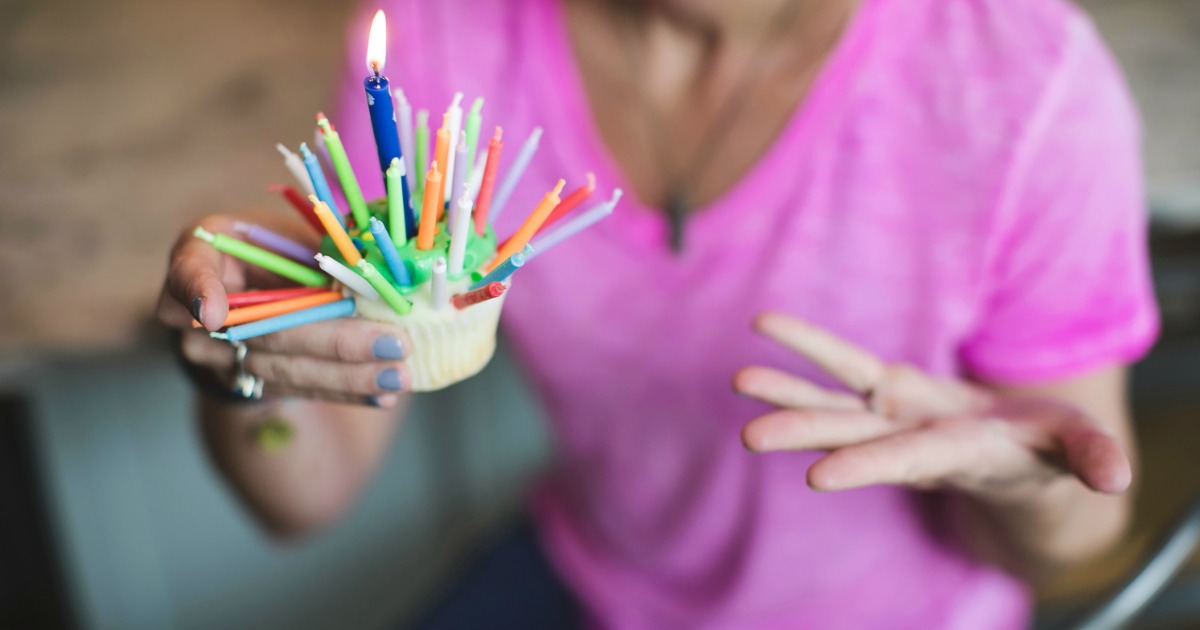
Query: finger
[[784, 390], [852, 366], [793, 430], [346, 339], [379, 401], [305, 373], [1097, 459], [200, 349], [907, 393], [194, 280]]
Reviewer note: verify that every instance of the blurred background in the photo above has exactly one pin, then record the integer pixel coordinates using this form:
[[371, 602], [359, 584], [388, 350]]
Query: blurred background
[[120, 121]]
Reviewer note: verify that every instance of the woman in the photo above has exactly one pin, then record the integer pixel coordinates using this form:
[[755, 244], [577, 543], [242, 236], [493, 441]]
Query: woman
[[930, 213]]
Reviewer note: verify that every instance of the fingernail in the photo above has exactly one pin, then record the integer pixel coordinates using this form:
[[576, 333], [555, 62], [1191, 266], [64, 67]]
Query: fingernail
[[198, 309], [388, 348], [374, 402], [389, 379]]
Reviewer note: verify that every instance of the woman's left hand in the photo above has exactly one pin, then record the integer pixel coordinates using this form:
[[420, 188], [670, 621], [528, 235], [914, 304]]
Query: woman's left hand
[[901, 426]]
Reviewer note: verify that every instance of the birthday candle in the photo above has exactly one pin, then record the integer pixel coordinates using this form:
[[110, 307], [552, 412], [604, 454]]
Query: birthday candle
[[389, 294], [293, 164], [529, 227], [515, 171], [404, 116], [483, 200], [341, 164], [257, 256], [388, 250], [301, 205], [475, 296], [474, 120], [273, 240], [422, 151], [400, 219], [460, 232], [333, 310], [437, 284], [441, 156], [278, 307], [250, 298], [460, 175], [429, 212], [476, 178], [336, 232], [584, 220], [454, 115], [323, 192], [505, 269], [379, 96], [347, 277], [577, 196]]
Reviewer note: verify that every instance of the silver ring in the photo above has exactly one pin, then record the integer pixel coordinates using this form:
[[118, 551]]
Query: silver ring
[[245, 384]]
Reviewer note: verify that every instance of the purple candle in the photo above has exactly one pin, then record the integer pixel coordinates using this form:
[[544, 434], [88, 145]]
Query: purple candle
[[277, 242]]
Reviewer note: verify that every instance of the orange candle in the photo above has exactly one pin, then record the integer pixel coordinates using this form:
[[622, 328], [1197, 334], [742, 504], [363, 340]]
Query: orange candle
[[336, 232], [536, 218], [280, 307], [441, 155], [429, 211], [488, 184], [571, 201]]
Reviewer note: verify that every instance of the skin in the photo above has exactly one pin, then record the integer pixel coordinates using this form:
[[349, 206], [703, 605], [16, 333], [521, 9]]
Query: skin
[[1037, 475]]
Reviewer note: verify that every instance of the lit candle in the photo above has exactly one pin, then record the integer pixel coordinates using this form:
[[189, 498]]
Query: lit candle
[[569, 203], [296, 166], [441, 156], [422, 151], [250, 298], [584, 220], [278, 307], [429, 212], [323, 192], [454, 119], [474, 120], [483, 200], [400, 215], [389, 293], [341, 165], [257, 256], [513, 177], [297, 201], [437, 284], [529, 227], [482, 294], [333, 310], [337, 233], [460, 232], [379, 96], [504, 270], [273, 240], [460, 176], [388, 250], [348, 278], [404, 116]]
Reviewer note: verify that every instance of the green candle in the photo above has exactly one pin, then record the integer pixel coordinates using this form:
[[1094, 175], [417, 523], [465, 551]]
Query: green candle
[[274, 263], [472, 130], [341, 164], [395, 202], [385, 289], [422, 161]]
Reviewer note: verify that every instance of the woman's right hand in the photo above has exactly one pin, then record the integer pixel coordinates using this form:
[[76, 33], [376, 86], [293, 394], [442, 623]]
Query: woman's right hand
[[343, 360]]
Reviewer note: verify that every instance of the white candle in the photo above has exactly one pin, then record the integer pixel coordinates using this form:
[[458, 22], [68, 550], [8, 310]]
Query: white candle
[[437, 285], [296, 166], [342, 274], [570, 228], [460, 232], [407, 145], [476, 180], [454, 121]]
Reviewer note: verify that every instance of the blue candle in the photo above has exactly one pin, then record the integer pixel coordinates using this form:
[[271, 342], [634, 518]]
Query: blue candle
[[386, 247], [504, 270], [333, 310], [379, 96], [320, 184]]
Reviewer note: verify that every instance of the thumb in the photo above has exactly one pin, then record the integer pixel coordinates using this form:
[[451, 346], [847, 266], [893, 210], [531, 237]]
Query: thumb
[[1097, 459]]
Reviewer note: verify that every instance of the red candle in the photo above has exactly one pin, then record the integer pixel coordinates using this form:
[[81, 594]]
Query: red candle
[[482, 294], [250, 298], [571, 201], [488, 183], [301, 205]]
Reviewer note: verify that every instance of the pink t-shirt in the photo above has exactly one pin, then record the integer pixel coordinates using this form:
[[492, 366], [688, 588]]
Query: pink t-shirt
[[960, 190]]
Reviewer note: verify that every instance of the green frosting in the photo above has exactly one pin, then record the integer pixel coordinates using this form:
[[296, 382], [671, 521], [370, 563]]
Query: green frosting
[[419, 263]]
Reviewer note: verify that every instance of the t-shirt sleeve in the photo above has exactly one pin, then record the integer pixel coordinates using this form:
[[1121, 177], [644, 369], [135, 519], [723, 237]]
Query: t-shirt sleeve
[[1067, 285]]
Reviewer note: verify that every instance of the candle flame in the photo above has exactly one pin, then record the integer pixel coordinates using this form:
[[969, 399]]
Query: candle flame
[[377, 43]]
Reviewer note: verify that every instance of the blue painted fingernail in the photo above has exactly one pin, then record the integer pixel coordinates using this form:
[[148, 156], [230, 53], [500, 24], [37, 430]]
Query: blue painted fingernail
[[373, 401], [389, 379], [388, 348], [198, 309]]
